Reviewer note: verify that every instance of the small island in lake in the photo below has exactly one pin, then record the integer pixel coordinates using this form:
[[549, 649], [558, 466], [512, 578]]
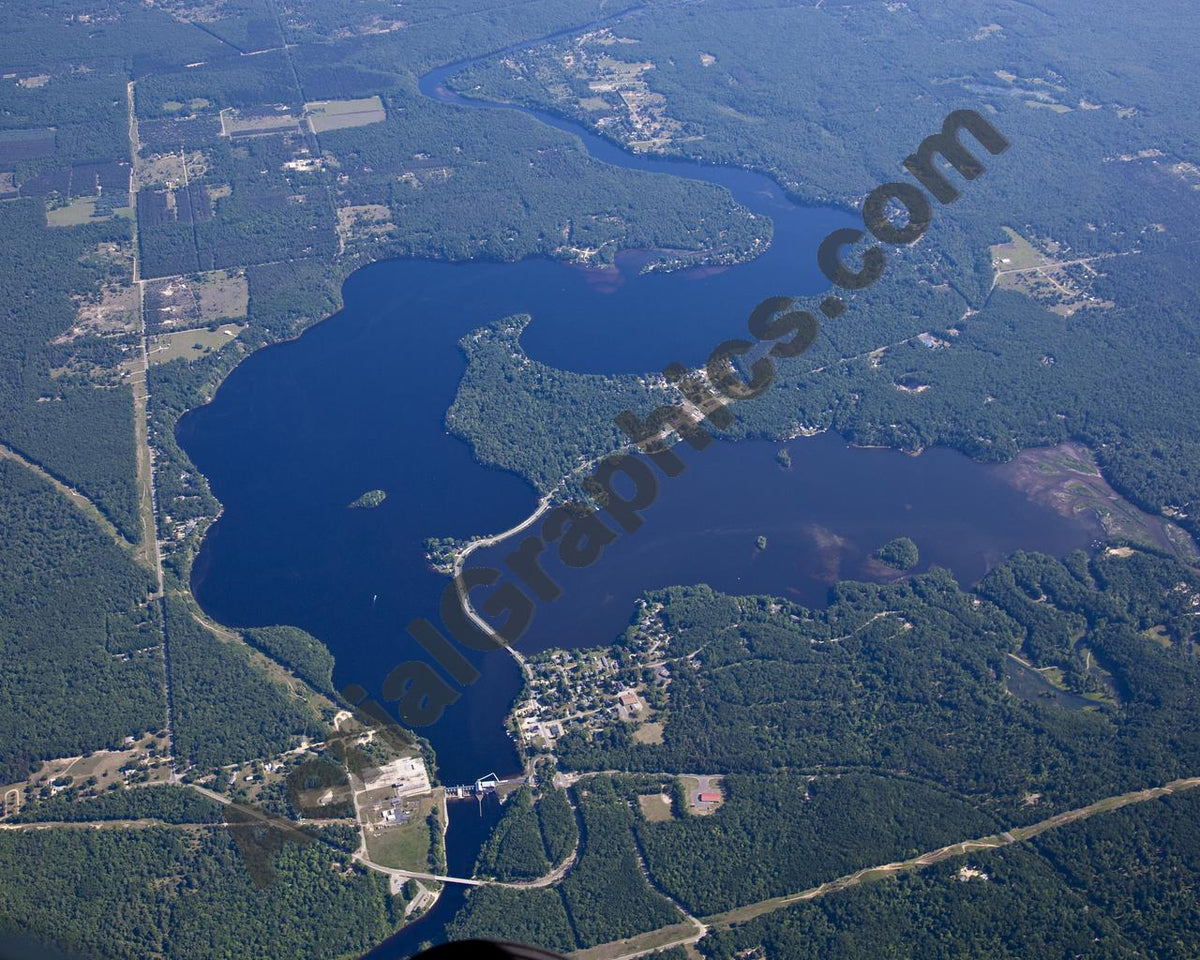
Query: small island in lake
[[900, 553], [761, 542], [784, 458], [369, 500]]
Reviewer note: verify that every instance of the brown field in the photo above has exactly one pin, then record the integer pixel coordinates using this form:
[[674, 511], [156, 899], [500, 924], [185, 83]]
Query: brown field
[[649, 732], [656, 807], [222, 295], [114, 311], [204, 298]]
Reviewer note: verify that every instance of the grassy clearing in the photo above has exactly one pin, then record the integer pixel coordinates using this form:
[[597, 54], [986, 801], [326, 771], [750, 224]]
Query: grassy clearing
[[654, 940], [656, 807], [192, 344], [222, 295], [1017, 254], [146, 551], [234, 123], [404, 846], [339, 114], [78, 211], [649, 732], [1052, 107]]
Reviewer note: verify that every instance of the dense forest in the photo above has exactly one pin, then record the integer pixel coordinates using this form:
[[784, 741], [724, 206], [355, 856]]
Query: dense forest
[[747, 850], [900, 553], [226, 708], [910, 678], [515, 850], [531, 418], [559, 829], [305, 655], [139, 893], [1119, 885], [604, 894], [80, 657], [77, 429], [521, 916]]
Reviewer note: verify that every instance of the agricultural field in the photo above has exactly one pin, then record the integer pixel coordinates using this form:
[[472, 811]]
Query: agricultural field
[[82, 210], [245, 123], [192, 344], [323, 115]]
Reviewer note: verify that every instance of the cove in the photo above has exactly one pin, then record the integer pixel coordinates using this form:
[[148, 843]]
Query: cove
[[823, 518], [300, 430]]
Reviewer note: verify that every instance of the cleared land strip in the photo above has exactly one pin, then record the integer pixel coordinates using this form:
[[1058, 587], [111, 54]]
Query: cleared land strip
[[683, 934], [92, 511], [1016, 835], [143, 824], [149, 551], [675, 936]]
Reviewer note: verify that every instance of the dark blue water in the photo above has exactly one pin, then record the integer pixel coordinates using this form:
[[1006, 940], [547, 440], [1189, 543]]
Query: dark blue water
[[470, 826], [301, 429], [824, 517], [357, 403]]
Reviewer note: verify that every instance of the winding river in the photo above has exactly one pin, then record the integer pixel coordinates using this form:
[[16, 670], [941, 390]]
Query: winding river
[[301, 429]]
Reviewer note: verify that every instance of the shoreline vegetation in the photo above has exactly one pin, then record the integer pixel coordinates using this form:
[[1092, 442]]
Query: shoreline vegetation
[[301, 289]]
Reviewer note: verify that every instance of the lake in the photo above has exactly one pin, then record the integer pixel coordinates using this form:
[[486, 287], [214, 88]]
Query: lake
[[357, 403]]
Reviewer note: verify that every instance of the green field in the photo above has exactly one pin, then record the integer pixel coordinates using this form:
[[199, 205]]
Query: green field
[[191, 344], [405, 846], [79, 211], [340, 114]]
